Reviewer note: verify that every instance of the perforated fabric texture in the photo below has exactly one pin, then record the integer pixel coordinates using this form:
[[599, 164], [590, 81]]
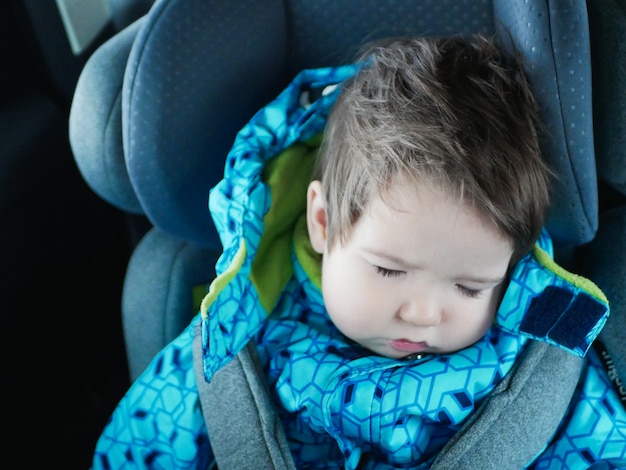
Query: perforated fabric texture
[[553, 38], [321, 34], [200, 69], [197, 73]]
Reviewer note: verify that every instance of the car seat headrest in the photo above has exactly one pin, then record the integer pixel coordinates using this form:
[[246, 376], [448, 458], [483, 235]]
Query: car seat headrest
[[199, 70], [556, 50]]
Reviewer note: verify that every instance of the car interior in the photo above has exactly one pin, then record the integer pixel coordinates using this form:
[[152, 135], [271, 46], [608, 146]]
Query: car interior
[[64, 249], [113, 134]]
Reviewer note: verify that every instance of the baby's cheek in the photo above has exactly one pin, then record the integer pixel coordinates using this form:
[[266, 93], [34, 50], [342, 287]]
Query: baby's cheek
[[354, 316], [481, 320], [350, 298]]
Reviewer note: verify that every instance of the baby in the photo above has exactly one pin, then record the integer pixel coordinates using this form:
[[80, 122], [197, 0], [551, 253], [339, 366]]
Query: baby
[[384, 253]]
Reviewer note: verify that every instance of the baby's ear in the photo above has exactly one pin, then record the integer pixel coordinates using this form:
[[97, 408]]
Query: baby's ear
[[316, 216]]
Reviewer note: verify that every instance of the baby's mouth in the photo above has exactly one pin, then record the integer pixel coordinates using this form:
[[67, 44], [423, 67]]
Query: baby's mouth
[[407, 346]]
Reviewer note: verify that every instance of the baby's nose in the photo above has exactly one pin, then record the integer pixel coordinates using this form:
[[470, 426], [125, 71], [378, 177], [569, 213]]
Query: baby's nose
[[422, 311]]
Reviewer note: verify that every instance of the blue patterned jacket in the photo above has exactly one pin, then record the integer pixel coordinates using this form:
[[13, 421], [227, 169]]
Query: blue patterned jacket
[[341, 406]]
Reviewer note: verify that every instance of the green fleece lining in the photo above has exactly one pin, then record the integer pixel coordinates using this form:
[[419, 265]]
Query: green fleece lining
[[287, 176], [224, 278], [579, 281]]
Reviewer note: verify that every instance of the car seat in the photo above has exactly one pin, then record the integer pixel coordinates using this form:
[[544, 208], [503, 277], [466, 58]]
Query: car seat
[[156, 110]]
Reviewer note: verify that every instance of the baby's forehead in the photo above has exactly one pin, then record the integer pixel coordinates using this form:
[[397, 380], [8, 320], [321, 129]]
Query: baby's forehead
[[401, 188], [407, 193], [410, 221]]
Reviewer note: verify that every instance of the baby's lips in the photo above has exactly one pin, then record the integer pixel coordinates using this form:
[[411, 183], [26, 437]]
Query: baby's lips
[[407, 346]]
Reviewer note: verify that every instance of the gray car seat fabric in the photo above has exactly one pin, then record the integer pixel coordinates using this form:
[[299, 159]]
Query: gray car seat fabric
[[151, 139], [95, 124], [515, 409], [255, 439], [199, 43], [159, 259], [553, 37]]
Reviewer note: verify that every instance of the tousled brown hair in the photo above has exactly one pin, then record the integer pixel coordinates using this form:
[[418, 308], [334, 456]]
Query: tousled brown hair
[[454, 113]]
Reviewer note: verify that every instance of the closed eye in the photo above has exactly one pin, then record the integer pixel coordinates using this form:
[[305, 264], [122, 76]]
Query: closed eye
[[388, 272], [467, 292]]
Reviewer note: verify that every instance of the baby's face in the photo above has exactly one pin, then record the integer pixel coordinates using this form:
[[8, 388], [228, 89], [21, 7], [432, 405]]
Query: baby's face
[[420, 273]]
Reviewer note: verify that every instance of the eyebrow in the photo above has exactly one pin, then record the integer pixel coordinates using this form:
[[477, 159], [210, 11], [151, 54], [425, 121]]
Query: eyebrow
[[401, 262]]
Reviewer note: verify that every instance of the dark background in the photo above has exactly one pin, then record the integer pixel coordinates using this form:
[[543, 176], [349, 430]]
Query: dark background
[[63, 252]]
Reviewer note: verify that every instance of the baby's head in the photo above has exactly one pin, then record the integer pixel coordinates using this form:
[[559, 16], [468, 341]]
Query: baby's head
[[429, 186], [454, 114]]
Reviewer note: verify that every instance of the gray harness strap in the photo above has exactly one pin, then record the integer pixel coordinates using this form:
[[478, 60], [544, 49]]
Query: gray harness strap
[[244, 429], [520, 416]]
